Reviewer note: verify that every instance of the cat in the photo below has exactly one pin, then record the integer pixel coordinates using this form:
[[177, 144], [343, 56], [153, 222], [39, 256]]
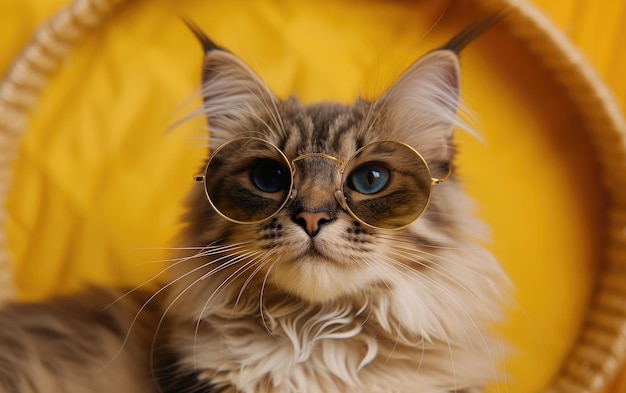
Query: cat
[[326, 248]]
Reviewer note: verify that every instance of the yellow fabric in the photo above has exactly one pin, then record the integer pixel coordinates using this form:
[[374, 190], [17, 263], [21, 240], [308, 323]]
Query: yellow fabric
[[100, 177]]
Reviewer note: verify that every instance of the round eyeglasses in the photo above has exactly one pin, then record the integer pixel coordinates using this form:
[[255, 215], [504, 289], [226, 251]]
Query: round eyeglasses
[[385, 184]]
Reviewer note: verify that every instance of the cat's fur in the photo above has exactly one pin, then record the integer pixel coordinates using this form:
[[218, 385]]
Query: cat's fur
[[273, 308], [73, 344]]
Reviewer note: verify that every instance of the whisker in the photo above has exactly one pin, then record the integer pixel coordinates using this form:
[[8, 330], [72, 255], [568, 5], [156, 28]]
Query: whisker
[[182, 293], [425, 337], [263, 285], [262, 263], [454, 299], [227, 281], [407, 252], [176, 260], [395, 302], [404, 271], [205, 251], [411, 253]]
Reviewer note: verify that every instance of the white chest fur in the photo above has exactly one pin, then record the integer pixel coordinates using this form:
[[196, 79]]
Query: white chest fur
[[320, 349]]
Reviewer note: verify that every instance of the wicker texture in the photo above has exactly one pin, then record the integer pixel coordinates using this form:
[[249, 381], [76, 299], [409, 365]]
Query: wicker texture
[[20, 89], [598, 356]]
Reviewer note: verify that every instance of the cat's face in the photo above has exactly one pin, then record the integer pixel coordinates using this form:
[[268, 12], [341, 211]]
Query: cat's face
[[311, 245]]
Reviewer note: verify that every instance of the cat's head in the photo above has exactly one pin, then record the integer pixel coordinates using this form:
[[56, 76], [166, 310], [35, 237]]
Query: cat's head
[[322, 201]]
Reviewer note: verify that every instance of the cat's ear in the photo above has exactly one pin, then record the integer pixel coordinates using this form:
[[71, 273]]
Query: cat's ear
[[421, 106], [231, 92]]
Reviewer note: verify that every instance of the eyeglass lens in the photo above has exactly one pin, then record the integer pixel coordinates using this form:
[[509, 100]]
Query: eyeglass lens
[[386, 184], [248, 180]]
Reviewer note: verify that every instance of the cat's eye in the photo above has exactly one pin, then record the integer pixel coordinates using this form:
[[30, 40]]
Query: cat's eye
[[247, 180], [270, 176], [369, 178], [384, 185], [387, 185]]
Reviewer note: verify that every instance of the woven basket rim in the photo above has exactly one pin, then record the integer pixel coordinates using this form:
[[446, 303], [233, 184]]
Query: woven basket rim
[[597, 357]]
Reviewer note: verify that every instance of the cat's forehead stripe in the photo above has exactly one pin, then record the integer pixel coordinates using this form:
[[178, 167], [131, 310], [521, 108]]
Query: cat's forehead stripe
[[323, 128]]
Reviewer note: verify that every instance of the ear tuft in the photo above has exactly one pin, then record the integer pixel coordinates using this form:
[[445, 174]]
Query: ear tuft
[[207, 44], [472, 32]]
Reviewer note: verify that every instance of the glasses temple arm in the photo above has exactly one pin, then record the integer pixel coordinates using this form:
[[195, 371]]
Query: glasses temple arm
[[435, 181]]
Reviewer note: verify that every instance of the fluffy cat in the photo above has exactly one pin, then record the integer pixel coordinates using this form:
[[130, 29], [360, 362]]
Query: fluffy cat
[[309, 268]]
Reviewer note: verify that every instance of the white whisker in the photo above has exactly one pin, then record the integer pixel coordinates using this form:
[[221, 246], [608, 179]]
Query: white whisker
[[220, 267], [227, 281], [204, 251], [263, 285], [441, 289]]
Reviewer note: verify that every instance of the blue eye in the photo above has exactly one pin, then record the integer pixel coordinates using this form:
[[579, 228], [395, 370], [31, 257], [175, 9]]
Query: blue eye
[[269, 176], [369, 179]]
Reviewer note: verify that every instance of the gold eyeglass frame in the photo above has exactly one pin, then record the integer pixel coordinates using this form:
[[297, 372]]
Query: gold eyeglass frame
[[339, 195]]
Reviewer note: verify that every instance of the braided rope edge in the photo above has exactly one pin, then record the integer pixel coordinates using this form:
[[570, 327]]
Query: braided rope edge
[[600, 351], [21, 87]]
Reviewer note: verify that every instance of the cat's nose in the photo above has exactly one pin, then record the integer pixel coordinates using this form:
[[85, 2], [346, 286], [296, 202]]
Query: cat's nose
[[312, 221]]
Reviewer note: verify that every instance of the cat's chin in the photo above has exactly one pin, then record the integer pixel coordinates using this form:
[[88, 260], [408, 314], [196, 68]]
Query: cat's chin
[[318, 279]]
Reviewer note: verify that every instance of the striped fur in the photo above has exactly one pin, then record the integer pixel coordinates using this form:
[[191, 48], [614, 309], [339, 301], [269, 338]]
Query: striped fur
[[78, 344]]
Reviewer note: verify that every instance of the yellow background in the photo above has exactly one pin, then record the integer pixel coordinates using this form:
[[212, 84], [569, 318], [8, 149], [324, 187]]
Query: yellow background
[[100, 175]]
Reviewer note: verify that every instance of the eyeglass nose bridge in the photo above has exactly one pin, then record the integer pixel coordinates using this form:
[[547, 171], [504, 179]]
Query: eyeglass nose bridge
[[341, 163], [342, 166]]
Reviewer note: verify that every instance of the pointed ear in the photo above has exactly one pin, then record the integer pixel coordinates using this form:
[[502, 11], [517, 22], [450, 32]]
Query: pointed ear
[[233, 96], [421, 107]]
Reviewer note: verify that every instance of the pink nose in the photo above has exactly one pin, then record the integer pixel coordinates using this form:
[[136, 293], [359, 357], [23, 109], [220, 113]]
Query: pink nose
[[312, 221]]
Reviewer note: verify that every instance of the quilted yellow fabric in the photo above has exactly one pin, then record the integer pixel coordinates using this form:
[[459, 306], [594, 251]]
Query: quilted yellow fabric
[[100, 175]]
